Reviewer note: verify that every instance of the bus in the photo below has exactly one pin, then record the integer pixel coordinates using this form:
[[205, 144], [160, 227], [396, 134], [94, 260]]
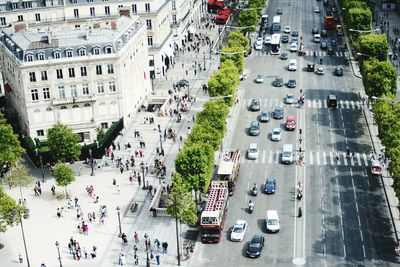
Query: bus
[[329, 21], [276, 24], [276, 44]]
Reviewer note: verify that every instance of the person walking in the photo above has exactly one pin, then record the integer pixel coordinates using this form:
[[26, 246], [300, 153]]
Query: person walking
[[136, 237], [158, 259]]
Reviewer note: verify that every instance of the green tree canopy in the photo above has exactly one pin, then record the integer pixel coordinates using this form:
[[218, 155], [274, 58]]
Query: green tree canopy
[[248, 19], [374, 45], [195, 164], [10, 147], [224, 81], [359, 19], [237, 39], [63, 143], [19, 176], [214, 114], [205, 134], [232, 57], [9, 211], [379, 78], [349, 4], [63, 175]]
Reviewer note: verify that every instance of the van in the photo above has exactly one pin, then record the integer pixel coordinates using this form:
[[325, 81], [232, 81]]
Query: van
[[376, 167], [287, 154], [272, 221], [317, 38], [332, 101]]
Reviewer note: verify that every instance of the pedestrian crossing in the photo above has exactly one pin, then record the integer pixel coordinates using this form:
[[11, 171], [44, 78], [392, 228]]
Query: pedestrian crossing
[[309, 103], [318, 53], [320, 158]]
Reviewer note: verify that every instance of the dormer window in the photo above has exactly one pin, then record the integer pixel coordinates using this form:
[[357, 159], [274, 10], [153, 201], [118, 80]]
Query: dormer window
[[40, 56], [108, 49], [82, 52], [96, 51], [29, 57], [69, 53], [57, 54]]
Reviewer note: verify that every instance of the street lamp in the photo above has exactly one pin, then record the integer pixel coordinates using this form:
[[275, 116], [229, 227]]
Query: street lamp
[[204, 58], [144, 179], [377, 31], [41, 163], [161, 147], [58, 250], [119, 221], [25, 215], [91, 162]]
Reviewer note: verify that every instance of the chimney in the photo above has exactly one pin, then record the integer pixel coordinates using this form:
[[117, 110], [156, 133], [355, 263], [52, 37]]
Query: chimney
[[20, 27], [125, 11], [96, 25], [113, 25]]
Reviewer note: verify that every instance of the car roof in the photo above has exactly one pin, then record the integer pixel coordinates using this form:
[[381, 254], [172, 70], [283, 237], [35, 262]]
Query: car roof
[[291, 118], [241, 222], [276, 129], [257, 238], [253, 145]]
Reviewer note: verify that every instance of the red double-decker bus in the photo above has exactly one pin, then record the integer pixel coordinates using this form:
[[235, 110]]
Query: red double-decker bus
[[214, 215], [329, 21]]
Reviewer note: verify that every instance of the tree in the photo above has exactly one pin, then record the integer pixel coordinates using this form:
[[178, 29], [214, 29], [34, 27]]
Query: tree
[[359, 19], [237, 39], [10, 147], [233, 57], [9, 211], [224, 81], [19, 176], [63, 175], [63, 143], [195, 164], [374, 45], [214, 114], [205, 134], [379, 78], [248, 19]]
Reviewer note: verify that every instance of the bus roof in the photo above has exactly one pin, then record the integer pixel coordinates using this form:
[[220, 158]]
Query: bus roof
[[276, 19], [276, 38]]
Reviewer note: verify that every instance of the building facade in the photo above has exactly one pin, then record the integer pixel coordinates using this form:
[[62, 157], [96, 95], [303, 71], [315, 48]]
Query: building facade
[[86, 77]]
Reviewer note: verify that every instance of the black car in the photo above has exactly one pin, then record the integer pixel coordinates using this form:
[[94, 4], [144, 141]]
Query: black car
[[331, 52], [183, 83], [310, 67], [324, 33], [278, 82], [285, 38], [279, 11], [294, 33], [314, 31], [338, 71], [291, 83], [255, 246], [270, 186], [284, 55], [323, 45], [334, 42], [278, 113]]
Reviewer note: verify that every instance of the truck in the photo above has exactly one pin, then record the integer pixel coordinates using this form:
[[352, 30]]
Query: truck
[[229, 169], [214, 214], [329, 21]]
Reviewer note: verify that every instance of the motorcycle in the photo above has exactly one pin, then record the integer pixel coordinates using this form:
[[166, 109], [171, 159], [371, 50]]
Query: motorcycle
[[321, 61], [251, 207], [300, 213], [254, 191]]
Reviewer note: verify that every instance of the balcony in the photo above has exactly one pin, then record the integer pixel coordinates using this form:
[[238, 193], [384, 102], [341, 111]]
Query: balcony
[[74, 100]]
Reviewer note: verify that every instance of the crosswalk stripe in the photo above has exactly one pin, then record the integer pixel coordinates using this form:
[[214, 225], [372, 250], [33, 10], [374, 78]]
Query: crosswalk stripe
[[365, 159], [256, 160], [314, 103], [311, 160], [358, 159], [324, 158], [277, 156], [347, 104], [331, 157], [352, 161], [308, 103], [264, 156], [325, 103], [270, 157], [318, 159], [344, 159]]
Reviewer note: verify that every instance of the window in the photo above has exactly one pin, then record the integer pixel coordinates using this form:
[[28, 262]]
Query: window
[[39, 132], [85, 89], [120, 6], [82, 52], [98, 70], [43, 73], [74, 92], [92, 12], [148, 23], [108, 50], [63, 107], [107, 10], [134, 9], [104, 125], [27, 4], [100, 88], [41, 56], [37, 17], [150, 40], [83, 71], [75, 106], [174, 20], [147, 7], [173, 5], [96, 51], [35, 94], [71, 72], [61, 92], [110, 68], [57, 54], [76, 13], [29, 57], [20, 18], [3, 21], [74, 1], [59, 74], [69, 53], [32, 77], [111, 87], [46, 93]]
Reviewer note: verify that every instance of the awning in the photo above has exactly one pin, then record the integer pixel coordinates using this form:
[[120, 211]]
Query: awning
[[191, 30], [225, 12]]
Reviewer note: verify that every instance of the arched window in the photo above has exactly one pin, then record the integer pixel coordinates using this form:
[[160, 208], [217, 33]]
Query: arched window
[[57, 54], [29, 57], [87, 105], [63, 107], [75, 106], [49, 109], [96, 50]]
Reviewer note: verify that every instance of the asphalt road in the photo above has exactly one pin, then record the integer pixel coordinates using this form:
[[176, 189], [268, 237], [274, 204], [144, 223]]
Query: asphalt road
[[346, 221]]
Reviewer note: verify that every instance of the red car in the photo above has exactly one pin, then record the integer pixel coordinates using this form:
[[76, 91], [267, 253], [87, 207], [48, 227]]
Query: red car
[[290, 124]]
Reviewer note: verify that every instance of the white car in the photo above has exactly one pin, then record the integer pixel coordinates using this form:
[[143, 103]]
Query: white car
[[317, 10], [243, 76], [239, 230], [292, 64], [276, 134], [252, 152], [287, 29], [320, 71], [258, 44], [267, 40], [293, 47], [259, 79], [289, 99]]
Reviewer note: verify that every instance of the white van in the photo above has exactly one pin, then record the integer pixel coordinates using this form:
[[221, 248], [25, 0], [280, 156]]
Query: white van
[[272, 221], [287, 154], [292, 64]]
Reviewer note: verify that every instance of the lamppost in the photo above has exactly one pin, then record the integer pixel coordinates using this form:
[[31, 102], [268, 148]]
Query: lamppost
[[91, 162], [58, 250], [144, 179], [26, 216], [161, 147], [119, 221], [41, 163], [376, 31], [204, 58]]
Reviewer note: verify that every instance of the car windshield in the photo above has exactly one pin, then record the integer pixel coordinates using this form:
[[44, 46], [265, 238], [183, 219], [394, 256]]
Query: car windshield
[[276, 131], [238, 229], [273, 221], [290, 122], [252, 150]]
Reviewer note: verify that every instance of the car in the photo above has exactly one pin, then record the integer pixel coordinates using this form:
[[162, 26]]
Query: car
[[334, 42], [267, 40], [259, 79], [320, 71], [317, 38], [284, 55], [255, 246], [324, 33], [277, 82], [278, 113], [294, 39], [276, 134], [254, 129], [314, 31], [292, 64], [331, 52], [310, 67], [265, 116], [239, 230], [183, 83], [294, 33], [291, 83], [270, 186], [243, 76], [279, 11], [338, 71], [258, 44], [252, 151], [289, 99], [293, 47], [255, 105], [317, 9], [290, 124], [285, 38], [323, 45], [287, 29], [333, 10]]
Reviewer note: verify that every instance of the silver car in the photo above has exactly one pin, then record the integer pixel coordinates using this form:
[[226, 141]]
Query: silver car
[[276, 134], [289, 99]]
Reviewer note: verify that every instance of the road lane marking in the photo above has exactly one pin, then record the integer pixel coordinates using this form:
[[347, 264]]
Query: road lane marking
[[324, 158], [358, 159], [365, 159], [318, 159], [264, 156], [344, 159], [331, 158], [277, 157], [311, 160], [270, 157]]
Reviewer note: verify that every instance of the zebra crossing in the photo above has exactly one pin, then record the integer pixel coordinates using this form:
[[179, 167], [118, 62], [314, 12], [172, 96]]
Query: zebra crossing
[[318, 53], [309, 103], [320, 158]]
